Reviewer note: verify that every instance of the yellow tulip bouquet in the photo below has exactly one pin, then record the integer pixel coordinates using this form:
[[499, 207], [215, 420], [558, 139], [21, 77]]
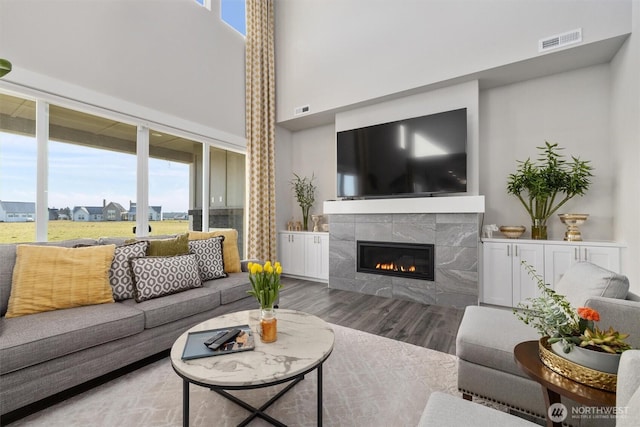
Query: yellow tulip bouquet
[[265, 282]]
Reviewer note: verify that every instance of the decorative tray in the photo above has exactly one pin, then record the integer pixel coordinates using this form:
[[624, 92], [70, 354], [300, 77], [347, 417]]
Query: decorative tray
[[575, 372], [195, 348]]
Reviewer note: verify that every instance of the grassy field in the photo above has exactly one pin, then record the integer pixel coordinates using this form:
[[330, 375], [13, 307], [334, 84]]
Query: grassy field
[[14, 232]]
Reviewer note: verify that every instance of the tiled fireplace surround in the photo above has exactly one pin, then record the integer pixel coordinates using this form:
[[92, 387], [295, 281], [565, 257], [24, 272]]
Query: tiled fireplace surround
[[456, 239]]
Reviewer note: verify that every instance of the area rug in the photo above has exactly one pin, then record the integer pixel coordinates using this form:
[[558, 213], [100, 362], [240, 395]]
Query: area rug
[[368, 381]]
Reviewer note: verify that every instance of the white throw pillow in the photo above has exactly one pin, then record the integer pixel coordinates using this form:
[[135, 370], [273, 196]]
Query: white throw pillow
[[584, 280]]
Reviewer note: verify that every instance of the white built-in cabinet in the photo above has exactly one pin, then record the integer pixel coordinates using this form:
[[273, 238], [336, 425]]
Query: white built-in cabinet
[[558, 258], [506, 282], [304, 254]]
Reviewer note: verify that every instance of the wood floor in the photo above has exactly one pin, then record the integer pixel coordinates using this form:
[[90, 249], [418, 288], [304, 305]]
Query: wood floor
[[428, 326]]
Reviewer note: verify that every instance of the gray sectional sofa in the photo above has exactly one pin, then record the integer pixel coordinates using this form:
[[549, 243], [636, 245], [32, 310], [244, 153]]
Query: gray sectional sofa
[[45, 353], [487, 335]]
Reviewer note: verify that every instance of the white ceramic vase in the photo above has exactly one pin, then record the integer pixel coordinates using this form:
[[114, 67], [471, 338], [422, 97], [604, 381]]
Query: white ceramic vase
[[600, 361]]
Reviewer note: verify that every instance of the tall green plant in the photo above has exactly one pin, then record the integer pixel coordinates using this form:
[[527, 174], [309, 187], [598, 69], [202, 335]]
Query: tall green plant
[[544, 186], [305, 194]]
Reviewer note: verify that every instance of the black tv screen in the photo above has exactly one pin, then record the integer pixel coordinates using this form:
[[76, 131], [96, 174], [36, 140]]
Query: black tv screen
[[412, 157]]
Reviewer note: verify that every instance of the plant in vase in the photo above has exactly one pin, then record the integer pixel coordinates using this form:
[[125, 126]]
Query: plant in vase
[[265, 287], [305, 195], [540, 186], [567, 328]]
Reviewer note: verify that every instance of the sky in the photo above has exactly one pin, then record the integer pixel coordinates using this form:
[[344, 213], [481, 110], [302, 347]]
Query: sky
[[81, 176]]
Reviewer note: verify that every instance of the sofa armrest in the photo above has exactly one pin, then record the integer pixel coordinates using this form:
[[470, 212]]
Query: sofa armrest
[[245, 262], [622, 315], [628, 377], [446, 410]]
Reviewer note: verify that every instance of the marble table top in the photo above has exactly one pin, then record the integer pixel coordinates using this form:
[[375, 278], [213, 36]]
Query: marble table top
[[303, 342]]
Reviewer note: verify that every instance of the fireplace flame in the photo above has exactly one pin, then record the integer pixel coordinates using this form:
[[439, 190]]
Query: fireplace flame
[[391, 266]]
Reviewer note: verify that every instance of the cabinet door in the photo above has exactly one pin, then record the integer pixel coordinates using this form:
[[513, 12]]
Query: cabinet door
[[292, 253], [524, 284], [604, 256], [557, 260], [317, 256], [496, 274]]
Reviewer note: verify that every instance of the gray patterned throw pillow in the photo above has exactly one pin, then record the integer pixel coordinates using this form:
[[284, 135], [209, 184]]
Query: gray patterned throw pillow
[[154, 277], [209, 255], [120, 272]]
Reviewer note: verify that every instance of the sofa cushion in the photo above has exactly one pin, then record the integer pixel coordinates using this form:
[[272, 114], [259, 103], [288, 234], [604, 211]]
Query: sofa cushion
[[584, 280], [120, 272], [50, 278], [154, 277], [487, 336], [169, 308], [29, 340], [209, 255], [232, 288], [230, 250]]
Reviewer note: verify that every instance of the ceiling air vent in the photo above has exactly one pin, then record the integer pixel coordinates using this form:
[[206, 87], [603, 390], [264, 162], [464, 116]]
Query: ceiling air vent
[[560, 40], [301, 110]]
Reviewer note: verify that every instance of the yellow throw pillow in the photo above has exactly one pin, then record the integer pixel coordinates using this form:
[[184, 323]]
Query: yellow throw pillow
[[49, 278], [230, 251]]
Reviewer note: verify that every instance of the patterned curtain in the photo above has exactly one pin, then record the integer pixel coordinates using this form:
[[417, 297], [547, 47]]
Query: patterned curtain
[[260, 123]]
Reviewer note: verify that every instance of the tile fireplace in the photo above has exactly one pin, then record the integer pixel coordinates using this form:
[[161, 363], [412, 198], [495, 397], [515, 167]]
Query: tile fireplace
[[453, 238]]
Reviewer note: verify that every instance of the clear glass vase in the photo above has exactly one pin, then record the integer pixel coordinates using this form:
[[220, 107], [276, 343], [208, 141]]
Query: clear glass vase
[[268, 325], [539, 229]]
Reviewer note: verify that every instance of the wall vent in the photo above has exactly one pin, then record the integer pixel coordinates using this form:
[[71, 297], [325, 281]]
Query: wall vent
[[560, 40], [301, 110]]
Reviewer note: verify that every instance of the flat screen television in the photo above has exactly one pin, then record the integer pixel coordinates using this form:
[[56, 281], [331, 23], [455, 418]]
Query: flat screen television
[[419, 156]]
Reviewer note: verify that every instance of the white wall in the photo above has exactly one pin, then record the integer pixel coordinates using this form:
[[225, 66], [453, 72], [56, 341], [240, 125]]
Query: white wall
[[625, 132], [173, 62], [311, 152], [572, 109], [283, 165], [336, 53]]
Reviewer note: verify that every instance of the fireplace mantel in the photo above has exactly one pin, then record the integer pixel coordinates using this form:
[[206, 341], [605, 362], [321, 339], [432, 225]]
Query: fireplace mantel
[[453, 204]]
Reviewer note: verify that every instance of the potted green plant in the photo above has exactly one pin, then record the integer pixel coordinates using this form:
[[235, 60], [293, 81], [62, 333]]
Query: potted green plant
[[5, 67], [305, 194], [544, 186]]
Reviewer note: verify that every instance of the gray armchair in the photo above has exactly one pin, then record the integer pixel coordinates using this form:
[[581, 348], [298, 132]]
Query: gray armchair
[[487, 336]]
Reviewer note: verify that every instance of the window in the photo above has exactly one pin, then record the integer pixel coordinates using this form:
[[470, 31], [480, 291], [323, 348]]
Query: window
[[227, 191], [175, 177], [92, 166], [93, 180], [18, 151], [233, 13]]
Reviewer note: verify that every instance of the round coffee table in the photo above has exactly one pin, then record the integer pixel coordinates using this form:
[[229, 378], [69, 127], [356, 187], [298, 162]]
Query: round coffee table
[[304, 343]]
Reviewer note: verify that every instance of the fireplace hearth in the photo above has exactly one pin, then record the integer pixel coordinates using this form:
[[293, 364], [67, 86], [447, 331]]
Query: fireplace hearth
[[411, 260]]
